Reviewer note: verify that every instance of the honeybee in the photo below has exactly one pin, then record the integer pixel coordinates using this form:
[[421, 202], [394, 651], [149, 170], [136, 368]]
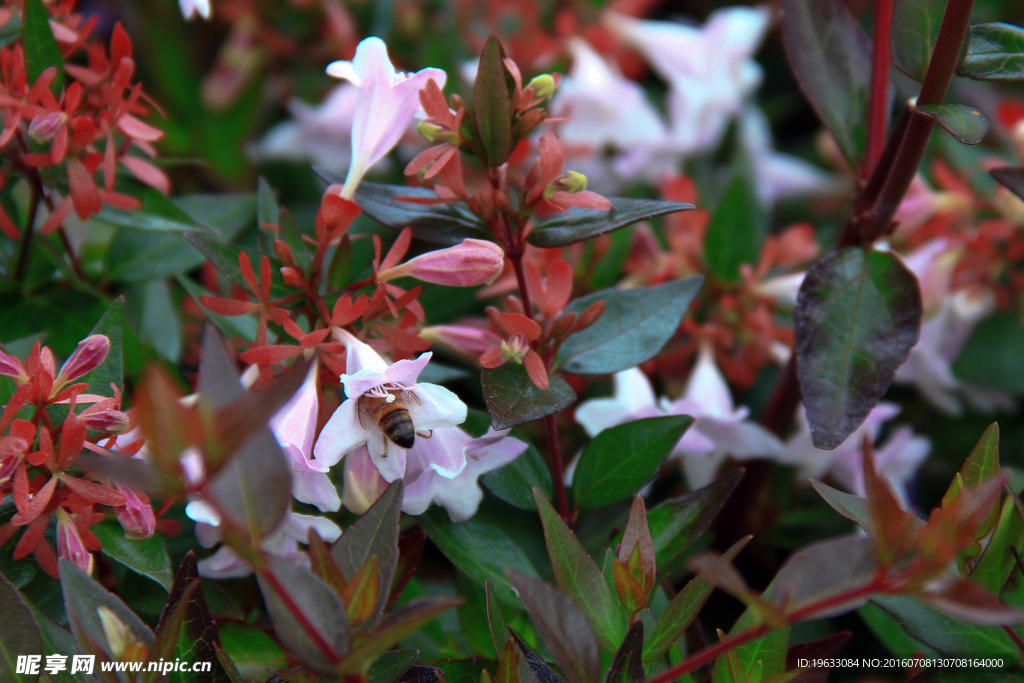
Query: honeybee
[[391, 413]]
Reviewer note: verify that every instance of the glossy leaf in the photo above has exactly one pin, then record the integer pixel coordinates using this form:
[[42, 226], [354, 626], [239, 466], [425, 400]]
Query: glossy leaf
[[492, 104], [621, 459], [627, 665], [915, 28], [991, 357], [111, 370], [514, 482], [41, 49], [495, 618], [375, 533], [157, 214], [733, 235], [254, 653], [582, 224], [147, 557], [320, 606], [1010, 177], [942, 633], [830, 55], [19, 634], [994, 567], [512, 398], [678, 522], [480, 549], [857, 317], [225, 257], [438, 223], [562, 627], [995, 53], [541, 671], [966, 124], [635, 325], [579, 578], [391, 666]]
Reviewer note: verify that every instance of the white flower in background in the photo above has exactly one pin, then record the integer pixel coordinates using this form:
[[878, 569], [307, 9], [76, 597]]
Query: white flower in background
[[189, 8], [321, 134], [896, 460], [710, 70], [386, 103], [370, 380], [443, 470], [720, 428]]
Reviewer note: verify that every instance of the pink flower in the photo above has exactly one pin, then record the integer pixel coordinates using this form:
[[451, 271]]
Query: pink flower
[[89, 353], [474, 262], [387, 102], [363, 483], [189, 8], [69, 542]]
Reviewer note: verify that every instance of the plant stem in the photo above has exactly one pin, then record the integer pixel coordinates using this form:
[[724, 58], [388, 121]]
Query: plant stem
[[516, 257], [1014, 637], [76, 264], [26, 237], [561, 503], [878, 107]]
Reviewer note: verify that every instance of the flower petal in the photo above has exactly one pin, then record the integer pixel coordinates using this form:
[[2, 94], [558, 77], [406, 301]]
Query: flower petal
[[437, 407], [341, 434]]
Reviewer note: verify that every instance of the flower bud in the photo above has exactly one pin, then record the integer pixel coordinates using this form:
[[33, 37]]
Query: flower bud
[[90, 352], [136, 516], [70, 545], [471, 263], [570, 181], [542, 86], [515, 348], [43, 128], [109, 421], [10, 367], [501, 201], [462, 339], [114, 630]]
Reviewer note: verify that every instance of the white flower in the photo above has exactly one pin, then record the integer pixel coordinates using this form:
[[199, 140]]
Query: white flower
[[710, 70], [386, 103], [192, 7], [720, 429], [368, 375]]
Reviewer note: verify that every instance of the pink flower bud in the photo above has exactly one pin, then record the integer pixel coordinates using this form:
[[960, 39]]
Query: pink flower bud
[[136, 516], [10, 367], [462, 339], [45, 127], [90, 352], [69, 543], [474, 262], [109, 421], [363, 483]]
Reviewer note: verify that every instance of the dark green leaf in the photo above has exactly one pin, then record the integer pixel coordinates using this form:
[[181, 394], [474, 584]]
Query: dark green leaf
[[734, 233], [538, 667], [463, 670], [19, 634], [152, 313], [991, 356], [994, 567], [267, 208], [225, 257], [492, 104], [915, 28], [157, 214], [579, 578], [480, 549], [320, 605], [41, 49], [995, 53], [1011, 178], [514, 482], [58, 641], [627, 665], [769, 651], [966, 124], [227, 213], [341, 265], [582, 224], [234, 327], [440, 223], [495, 618], [293, 238], [983, 462], [393, 628], [147, 557], [848, 505], [635, 325], [111, 370], [562, 627], [373, 534], [678, 522], [391, 665], [621, 459], [421, 674], [512, 398], [942, 633], [857, 317], [254, 653], [82, 598], [830, 55], [18, 572], [472, 615]]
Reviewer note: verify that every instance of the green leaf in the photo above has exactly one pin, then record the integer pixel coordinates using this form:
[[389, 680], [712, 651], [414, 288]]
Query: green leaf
[[41, 49], [157, 214], [495, 618], [582, 224], [678, 522], [991, 356], [889, 632], [373, 534], [627, 665], [994, 567], [234, 327], [944, 634], [479, 548], [227, 213], [857, 317], [225, 257], [848, 505], [391, 665], [254, 653], [82, 598], [733, 234], [514, 482], [153, 314], [58, 641], [147, 557], [19, 634], [830, 55], [914, 30], [492, 104], [579, 578], [440, 223], [770, 651], [635, 325], [983, 462], [394, 627], [293, 238], [621, 459], [320, 605], [537, 666], [512, 398], [267, 209], [995, 53], [562, 627], [472, 615], [966, 124], [111, 370], [340, 268]]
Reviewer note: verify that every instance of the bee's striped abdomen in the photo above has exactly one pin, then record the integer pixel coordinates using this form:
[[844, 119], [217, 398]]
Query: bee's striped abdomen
[[396, 423]]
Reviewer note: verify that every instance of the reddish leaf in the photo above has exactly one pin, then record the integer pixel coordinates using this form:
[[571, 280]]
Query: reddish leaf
[[91, 491]]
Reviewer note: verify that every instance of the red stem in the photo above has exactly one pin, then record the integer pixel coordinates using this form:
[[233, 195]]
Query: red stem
[[561, 503], [301, 618], [878, 108]]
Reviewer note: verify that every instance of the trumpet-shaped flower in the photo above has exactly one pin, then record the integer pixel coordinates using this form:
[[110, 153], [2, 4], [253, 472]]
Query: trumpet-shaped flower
[[368, 376], [386, 104], [443, 470], [720, 428]]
